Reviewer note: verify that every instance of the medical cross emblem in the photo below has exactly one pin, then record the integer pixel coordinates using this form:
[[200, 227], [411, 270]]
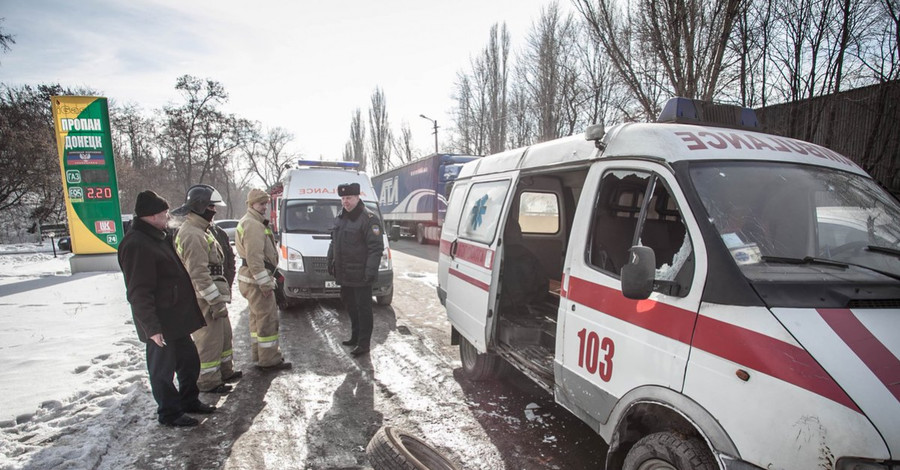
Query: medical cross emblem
[[478, 210]]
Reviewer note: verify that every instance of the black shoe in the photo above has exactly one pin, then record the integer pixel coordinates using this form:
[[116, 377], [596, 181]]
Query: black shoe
[[359, 351], [235, 376], [349, 342], [283, 365], [180, 422], [221, 389], [201, 408]]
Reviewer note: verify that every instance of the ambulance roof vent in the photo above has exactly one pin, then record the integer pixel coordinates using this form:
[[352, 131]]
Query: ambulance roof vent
[[688, 111]]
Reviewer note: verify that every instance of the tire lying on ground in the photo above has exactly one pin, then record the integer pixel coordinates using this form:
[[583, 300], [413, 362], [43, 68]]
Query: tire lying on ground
[[394, 449]]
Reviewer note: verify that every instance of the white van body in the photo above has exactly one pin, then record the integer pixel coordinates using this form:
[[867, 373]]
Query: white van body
[[768, 331], [306, 211]]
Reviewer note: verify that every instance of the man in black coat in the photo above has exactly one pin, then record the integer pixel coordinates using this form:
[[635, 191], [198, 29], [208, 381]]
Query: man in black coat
[[353, 259], [165, 311]]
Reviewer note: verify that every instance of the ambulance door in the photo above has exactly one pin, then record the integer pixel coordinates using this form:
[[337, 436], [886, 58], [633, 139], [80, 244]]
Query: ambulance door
[[608, 344], [473, 258], [449, 234]]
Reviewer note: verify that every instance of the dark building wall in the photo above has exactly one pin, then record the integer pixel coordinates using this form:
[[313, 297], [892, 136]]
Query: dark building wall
[[862, 124]]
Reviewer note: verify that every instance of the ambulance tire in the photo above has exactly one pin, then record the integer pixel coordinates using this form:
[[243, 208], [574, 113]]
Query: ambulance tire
[[384, 299], [393, 449], [669, 451], [476, 366], [420, 234]]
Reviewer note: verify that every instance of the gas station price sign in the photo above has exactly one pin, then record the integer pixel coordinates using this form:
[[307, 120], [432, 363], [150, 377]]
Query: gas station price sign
[[88, 173]]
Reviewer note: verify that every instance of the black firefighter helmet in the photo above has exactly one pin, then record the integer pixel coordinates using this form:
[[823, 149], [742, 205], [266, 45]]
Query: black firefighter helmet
[[199, 197]]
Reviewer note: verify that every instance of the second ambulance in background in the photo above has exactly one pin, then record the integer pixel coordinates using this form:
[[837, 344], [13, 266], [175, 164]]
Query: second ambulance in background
[[304, 214]]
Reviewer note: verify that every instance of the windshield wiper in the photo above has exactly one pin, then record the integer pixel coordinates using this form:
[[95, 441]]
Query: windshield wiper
[[829, 262], [884, 249], [804, 260]]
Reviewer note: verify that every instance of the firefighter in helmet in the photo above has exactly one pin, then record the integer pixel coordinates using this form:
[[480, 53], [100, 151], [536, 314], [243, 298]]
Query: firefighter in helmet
[[204, 258], [255, 244]]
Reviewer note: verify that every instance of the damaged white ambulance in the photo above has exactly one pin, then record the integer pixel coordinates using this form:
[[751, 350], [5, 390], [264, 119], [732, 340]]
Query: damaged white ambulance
[[703, 295]]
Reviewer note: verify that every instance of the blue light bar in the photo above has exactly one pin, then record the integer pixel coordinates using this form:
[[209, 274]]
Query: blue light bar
[[688, 111], [320, 163]]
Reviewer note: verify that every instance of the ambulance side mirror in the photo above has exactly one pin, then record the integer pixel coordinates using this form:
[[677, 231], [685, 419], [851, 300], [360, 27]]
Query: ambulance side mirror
[[638, 274]]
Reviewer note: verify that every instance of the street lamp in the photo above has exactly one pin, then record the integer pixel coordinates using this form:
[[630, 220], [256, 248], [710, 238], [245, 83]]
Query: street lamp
[[435, 131]]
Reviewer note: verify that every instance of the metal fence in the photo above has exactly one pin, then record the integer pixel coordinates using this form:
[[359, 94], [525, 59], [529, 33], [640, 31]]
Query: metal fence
[[862, 124]]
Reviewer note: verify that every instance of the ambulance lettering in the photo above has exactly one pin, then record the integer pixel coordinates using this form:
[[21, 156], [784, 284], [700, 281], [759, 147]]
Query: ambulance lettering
[[589, 356], [721, 140]]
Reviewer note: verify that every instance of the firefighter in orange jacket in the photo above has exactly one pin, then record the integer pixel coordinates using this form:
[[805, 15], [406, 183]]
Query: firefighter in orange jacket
[[255, 245]]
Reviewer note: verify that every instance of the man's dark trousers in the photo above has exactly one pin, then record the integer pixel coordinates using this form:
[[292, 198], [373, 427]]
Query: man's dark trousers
[[177, 357], [358, 300]]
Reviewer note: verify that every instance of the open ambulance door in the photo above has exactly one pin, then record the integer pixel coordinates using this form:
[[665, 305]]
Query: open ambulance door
[[470, 255]]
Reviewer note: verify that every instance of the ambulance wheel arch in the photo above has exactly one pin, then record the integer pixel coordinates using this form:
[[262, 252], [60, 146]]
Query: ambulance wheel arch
[[650, 410]]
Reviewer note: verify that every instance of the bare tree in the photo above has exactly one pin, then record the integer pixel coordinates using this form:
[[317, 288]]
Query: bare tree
[[355, 150], [381, 138], [267, 156], [403, 146], [496, 56], [480, 117], [183, 127], [676, 47], [133, 135], [5, 39]]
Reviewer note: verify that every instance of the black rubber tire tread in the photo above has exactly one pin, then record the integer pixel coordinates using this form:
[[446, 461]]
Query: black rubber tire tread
[[384, 299], [684, 453], [478, 367], [393, 449]]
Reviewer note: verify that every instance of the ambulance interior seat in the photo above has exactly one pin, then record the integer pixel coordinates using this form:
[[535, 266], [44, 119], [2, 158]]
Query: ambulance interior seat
[[614, 225]]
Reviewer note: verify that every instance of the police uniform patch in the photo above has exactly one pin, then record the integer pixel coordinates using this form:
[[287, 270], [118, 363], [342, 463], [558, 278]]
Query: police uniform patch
[[376, 230]]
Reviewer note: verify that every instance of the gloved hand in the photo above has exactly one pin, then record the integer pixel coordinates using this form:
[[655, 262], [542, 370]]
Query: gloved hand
[[218, 310], [269, 286]]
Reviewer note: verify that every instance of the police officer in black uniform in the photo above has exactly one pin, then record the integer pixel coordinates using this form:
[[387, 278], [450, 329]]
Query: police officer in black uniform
[[353, 259]]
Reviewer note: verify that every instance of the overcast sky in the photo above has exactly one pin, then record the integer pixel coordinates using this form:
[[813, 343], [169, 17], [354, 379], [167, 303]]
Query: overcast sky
[[301, 65]]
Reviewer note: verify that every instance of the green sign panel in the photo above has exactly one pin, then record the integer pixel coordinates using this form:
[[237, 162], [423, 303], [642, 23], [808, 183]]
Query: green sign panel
[[88, 173]]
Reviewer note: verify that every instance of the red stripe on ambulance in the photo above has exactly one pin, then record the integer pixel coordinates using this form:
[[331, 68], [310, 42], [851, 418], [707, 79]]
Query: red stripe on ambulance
[[768, 355], [867, 347], [661, 318], [474, 254], [471, 280], [746, 347]]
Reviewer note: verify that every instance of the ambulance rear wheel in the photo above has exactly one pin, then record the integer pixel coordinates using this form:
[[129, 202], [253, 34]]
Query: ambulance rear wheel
[[669, 451], [477, 366], [420, 234]]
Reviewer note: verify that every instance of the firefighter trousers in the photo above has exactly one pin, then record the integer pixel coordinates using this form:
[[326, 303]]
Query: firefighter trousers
[[264, 348], [215, 349]]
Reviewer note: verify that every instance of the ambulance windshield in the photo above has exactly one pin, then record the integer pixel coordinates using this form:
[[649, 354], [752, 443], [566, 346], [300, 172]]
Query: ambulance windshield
[[772, 213], [315, 215]]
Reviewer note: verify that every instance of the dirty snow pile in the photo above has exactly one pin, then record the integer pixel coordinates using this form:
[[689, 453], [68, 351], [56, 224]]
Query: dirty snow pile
[[70, 357]]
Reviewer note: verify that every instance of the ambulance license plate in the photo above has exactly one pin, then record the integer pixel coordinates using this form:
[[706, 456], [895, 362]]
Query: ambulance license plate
[[331, 285]]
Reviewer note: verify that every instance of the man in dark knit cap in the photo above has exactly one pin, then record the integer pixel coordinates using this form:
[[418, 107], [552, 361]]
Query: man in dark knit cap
[[165, 311]]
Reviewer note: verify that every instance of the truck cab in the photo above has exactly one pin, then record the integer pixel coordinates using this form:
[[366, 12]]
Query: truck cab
[[702, 294], [305, 214]]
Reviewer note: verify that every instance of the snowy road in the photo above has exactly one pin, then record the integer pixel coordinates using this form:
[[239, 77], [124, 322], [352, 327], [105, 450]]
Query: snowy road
[[321, 414]]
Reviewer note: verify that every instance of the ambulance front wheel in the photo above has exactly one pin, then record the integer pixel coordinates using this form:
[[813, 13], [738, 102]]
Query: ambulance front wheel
[[669, 451], [475, 365]]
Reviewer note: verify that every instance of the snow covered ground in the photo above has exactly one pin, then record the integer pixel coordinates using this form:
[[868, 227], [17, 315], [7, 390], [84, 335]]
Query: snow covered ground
[[68, 352], [74, 392]]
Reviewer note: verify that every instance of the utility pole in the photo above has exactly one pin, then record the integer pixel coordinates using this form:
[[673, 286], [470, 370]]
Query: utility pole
[[434, 121]]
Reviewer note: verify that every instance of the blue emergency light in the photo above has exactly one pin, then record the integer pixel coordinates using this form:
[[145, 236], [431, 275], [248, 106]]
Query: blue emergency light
[[320, 163], [688, 111]]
